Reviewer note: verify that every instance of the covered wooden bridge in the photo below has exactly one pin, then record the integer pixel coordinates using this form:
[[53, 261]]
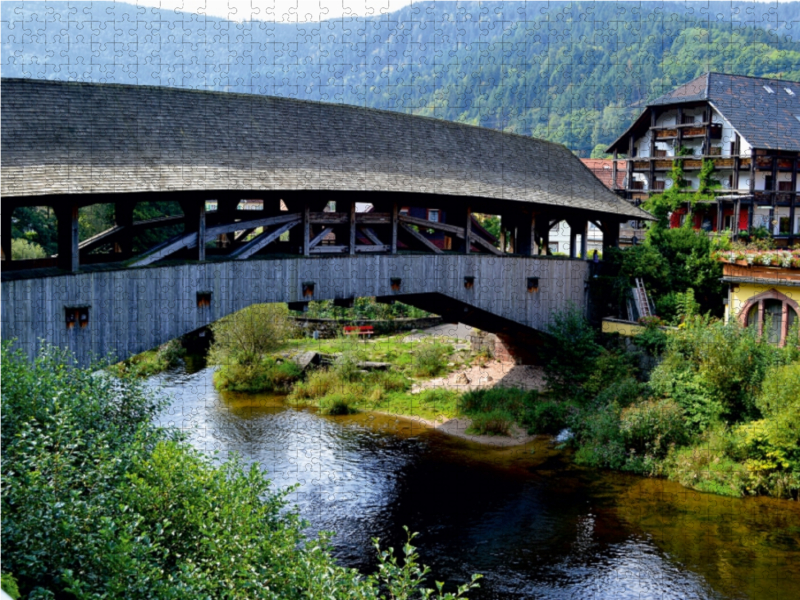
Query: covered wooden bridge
[[285, 179]]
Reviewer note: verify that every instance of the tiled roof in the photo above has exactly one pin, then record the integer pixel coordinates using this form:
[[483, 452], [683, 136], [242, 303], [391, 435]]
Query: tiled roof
[[81, 138], [603, 170], [765, 112]]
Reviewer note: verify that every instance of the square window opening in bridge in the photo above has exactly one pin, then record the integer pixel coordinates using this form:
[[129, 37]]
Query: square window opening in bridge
[[395, 283], [203, 299], [533, 284], [308, 289], [469, 282], [76, 315]]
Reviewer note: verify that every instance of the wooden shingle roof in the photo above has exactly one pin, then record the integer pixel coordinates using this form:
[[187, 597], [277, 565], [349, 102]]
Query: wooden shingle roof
[[88, 138]]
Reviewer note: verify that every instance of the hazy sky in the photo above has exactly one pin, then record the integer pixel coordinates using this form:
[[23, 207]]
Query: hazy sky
[[279, 10], [287, 10]]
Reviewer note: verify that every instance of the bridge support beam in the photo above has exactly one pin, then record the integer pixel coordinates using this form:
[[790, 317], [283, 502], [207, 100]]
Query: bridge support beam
[[610, 235], [543, 234], [68, 237], [123, 217], [526, 234], [5, 232]]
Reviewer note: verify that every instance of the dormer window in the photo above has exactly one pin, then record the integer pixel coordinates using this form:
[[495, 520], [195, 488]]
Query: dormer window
[[769, 89]]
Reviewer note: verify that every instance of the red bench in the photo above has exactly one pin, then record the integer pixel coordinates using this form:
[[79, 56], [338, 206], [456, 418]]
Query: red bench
[[367, 330]]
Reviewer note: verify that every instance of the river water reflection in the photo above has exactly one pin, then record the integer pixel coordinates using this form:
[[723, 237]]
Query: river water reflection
[[534, 524]]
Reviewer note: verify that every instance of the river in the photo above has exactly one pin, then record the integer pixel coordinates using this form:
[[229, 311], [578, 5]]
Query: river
[[534, 524]]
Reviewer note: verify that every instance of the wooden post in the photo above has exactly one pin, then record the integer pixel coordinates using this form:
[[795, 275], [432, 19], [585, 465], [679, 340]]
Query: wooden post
[[352, 228], [573, 233], [5, 232], [68, 237], [652, 172], [707, 140], [793, 200], [502, 234], [543, 233], [534, 241], [610, 235], [123, 217], [752, 189], [773, 194], [468, 231], [629, 184], [584, 239], [201, 231], [394, 227], [614, 172], [306, 229]]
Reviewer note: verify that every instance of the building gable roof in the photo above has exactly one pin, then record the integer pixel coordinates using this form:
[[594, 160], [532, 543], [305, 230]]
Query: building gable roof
[[766, 119]]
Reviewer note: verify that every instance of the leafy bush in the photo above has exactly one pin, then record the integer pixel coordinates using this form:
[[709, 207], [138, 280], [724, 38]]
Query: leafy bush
[[622, 393], [652, 427], [714, 371], [494, 422], [152, 362], [568, 353], [513, 400], [430, 360], [606, 369], [22, 249], [338, 404], [267, 375], [246, 336], [598, 436], [546, 416], [707, 465], [98, 502]]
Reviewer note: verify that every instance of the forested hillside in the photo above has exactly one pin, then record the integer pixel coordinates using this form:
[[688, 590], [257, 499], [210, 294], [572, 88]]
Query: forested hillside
[[568, 72]]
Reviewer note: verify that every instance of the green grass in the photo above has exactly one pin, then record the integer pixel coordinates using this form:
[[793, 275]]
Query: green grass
[[151, 362]]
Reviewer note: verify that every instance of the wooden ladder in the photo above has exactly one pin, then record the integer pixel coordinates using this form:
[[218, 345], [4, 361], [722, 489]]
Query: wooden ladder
[[642, 301]]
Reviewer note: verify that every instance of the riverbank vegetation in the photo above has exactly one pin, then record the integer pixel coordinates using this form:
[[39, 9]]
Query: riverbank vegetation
[[346, 386], [719, 412], [152, 362], [99, 502]]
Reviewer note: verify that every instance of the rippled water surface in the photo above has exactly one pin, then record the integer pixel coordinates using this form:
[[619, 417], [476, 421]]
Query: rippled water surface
[[535, 525]]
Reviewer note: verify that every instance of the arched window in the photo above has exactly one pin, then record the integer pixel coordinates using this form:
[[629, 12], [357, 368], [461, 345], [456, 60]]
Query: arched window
[[773, 314]]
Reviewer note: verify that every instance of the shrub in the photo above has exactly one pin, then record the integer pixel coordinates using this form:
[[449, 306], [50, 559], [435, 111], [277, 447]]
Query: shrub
[[98, 502], [152, 362], [513, 400], [430, 360], [22, 249], [714, 371], [569, 353], [494, 422], [546, 416], [707, 465], [338, 404], [622, 392], [266, 375], [652, 427], [606, 370], [246, 336], [319, 383], [598, 436]]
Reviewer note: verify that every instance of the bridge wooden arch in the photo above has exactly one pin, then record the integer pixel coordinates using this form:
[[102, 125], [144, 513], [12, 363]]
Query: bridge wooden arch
[[67, 145]]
